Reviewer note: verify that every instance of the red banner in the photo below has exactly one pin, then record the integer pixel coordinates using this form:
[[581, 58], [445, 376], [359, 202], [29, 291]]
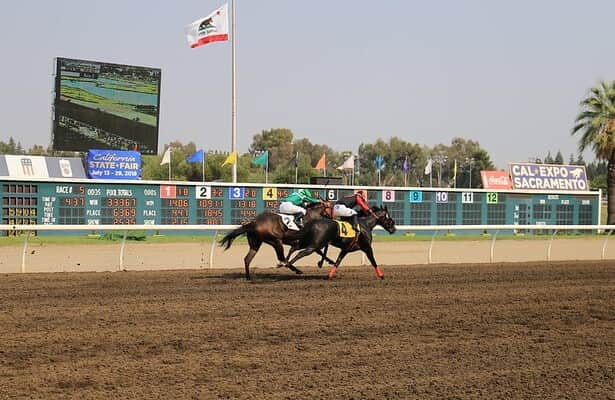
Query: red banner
[[496, 180]]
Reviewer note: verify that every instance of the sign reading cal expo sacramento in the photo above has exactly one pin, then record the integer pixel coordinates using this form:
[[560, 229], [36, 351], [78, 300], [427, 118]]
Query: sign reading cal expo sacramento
[[114, 164], [526, 176]]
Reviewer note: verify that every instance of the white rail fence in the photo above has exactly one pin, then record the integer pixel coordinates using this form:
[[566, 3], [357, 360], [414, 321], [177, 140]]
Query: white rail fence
[[491, 229]]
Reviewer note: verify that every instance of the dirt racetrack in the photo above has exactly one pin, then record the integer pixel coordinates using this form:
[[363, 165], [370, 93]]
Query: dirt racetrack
[[492, 331]]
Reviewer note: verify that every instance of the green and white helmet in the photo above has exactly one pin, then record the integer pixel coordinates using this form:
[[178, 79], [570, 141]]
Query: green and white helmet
[[306, 193]]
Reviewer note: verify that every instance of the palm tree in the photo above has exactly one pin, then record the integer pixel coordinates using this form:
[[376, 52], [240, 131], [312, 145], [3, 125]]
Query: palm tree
[[596, 123]]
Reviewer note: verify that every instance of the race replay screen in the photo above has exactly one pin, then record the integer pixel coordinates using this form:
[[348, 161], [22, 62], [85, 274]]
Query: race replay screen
[[99, 105]]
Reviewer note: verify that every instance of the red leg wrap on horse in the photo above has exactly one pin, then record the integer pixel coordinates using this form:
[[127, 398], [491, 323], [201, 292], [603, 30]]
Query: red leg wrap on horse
[[379, 272], [332, 271]]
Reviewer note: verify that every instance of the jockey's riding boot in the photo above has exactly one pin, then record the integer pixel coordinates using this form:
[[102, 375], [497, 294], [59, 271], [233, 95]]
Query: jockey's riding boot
[[355, 223]]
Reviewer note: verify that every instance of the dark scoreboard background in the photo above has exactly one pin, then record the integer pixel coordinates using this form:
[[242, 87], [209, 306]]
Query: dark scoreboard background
[[90, 202]]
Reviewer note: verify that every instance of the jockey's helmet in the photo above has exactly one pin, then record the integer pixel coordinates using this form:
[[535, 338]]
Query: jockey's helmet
[[306, 192]]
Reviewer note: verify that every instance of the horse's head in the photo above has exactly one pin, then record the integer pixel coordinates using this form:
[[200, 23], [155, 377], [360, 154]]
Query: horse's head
[[384, 219]]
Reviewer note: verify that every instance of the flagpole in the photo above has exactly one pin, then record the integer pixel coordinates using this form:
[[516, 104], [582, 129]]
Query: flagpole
[[170, 158], [267, 169], [455, 177], [233, 90], [203, 165], [296, 167]]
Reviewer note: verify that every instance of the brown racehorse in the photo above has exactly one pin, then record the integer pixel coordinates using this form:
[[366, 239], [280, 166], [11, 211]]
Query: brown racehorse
[[269, 228]]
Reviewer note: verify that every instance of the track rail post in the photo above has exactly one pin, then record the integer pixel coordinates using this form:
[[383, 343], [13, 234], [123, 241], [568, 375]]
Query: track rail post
[[433, 237], [121, 266], [211, 252], [493, 246], [604, 244], [550, 245], [24, 252]]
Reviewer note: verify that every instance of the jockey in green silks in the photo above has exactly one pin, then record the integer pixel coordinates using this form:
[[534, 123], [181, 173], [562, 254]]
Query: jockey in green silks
[[296, 202]]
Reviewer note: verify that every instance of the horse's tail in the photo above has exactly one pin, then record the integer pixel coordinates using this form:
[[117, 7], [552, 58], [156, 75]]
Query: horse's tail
[[227, 240]]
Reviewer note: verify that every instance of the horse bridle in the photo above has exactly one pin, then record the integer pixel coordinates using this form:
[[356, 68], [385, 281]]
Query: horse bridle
[[382, 220]]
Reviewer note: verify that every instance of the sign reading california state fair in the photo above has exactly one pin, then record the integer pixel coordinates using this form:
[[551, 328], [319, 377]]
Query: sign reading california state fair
[[528, 176], [114, 164]]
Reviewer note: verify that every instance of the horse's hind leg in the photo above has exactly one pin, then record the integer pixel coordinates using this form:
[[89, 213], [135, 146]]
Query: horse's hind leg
[[337, 263], [255, 244]]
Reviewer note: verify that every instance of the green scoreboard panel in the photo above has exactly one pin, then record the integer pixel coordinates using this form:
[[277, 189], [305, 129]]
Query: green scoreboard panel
[[91, 202]]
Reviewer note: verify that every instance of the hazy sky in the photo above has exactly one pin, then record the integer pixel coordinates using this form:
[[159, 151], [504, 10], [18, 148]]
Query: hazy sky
[[509, 74]]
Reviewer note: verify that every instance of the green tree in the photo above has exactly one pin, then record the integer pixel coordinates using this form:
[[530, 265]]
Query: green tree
[[278, 141], [11, 147], [596, 125], [394, 153], [471, 159]]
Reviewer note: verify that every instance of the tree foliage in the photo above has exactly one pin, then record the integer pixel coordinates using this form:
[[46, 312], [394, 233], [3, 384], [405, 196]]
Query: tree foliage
[[595, 124]]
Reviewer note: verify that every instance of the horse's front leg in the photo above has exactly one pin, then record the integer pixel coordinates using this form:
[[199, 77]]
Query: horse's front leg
[[323, 255], [305, 252], [369, 252], [292, 249], [279, 251]]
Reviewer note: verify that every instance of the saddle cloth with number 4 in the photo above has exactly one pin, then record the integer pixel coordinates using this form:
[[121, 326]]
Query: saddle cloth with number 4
[[345, 230]]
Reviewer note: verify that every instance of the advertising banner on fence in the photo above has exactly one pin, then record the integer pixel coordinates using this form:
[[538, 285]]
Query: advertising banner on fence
[[114, 164], [528, 176], [22, 166], [60, 167], [496, 180]]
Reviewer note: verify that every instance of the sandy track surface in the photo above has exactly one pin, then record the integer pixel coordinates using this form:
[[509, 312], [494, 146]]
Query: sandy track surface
[[139, 256], [492, 331]]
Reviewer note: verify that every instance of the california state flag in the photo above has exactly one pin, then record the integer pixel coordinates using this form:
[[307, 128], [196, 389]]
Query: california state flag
[[212, 28]]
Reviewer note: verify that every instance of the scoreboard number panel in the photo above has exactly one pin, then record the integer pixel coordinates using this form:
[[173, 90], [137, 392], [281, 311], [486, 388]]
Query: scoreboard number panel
[[388, 195], [416, 197], [176, 210], [441, 197], [467, 197], [168, 191], [492, 198], [236, 193], [270, 193], [210, 205], [203, 192]]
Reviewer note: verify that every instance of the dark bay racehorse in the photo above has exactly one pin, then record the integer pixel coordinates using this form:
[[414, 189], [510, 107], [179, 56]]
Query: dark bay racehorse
[[269, 228], [317, 234]]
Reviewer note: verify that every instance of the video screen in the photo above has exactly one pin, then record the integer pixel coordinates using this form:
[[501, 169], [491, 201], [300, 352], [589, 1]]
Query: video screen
[[105, 106]]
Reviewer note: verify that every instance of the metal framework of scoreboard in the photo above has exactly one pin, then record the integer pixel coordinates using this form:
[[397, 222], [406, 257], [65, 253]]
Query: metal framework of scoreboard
[[96, 202]]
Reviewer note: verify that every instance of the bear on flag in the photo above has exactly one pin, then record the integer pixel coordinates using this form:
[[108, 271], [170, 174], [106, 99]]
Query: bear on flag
[[212, 28]]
